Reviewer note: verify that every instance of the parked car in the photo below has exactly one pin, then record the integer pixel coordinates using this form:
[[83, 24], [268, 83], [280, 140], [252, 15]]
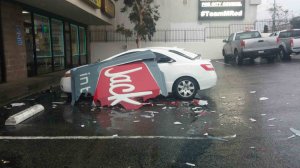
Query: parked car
[[184, 72], [289, 42], [249, 44]]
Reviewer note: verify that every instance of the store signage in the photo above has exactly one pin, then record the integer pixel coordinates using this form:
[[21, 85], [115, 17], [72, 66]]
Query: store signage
[[219, 10], [94, 3], [108, 8]]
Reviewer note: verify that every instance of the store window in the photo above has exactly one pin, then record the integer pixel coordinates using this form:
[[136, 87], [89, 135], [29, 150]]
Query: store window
[[58, 44], [75, 45], [43, 44], [82, 37]]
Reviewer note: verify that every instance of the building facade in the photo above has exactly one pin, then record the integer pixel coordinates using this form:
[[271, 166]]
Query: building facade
[[42, 36]]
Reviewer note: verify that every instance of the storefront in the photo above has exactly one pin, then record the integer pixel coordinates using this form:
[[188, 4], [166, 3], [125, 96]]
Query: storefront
[[42, 36], [53, 43]]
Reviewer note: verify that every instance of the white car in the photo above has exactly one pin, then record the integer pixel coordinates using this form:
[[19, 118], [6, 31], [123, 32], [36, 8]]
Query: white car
[[184, 72]]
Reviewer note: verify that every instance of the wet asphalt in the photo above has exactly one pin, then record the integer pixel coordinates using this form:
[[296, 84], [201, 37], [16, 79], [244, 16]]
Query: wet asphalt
[[235, 129]]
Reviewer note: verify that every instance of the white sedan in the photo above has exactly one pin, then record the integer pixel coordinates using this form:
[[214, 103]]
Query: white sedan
[[184, 72]]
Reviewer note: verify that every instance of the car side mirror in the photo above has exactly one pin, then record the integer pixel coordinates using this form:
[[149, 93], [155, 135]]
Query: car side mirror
[[225, 41]]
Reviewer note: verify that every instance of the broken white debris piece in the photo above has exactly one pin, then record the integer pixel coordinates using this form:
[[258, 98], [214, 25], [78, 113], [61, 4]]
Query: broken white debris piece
[[263, 98], [164, 108], [263, 114], [206, 134], [252, 92], [290, 137], [271, 119], [252, 120], [17, 104], [190, 164], [177, 123], [136, 121], [116, 135]]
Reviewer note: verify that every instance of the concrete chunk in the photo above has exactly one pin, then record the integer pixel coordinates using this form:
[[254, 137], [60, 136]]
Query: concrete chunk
[[24, 115]]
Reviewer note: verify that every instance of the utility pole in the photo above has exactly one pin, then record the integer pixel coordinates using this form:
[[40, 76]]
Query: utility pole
[[274, 17]]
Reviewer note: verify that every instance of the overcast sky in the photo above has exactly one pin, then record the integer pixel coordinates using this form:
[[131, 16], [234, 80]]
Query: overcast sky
[[292, 5]]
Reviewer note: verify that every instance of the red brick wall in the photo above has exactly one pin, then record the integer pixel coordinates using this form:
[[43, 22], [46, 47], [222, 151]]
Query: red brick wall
[[14, 55]]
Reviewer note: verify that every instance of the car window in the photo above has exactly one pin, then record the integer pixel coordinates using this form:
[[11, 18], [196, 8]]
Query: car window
[[161, 58], [247, 35], [184, 54], [285, 34], [296, 33], [231, 37]]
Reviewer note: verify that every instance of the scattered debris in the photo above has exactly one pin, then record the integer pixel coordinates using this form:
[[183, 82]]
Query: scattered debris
[[116, 135], [252, 92], [271, 125], [17, 104], [190, 164], [263, 98], [290, 137], [164, 108], [235, 117], [136, 121], [82, 126], [177, 123], [147, 116], [223, 97], [252, 120], [59, 102], [197, 108], [263, 114], [296, 132], [213, 111], [94, 122], [8, 108], [252, 147], [160, 104], [206, 134], [271, 119], [152, 112], [5, 161], [200, 102]]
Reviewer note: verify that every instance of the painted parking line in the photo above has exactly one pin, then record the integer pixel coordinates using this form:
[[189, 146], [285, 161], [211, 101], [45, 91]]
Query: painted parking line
[[110, 137]]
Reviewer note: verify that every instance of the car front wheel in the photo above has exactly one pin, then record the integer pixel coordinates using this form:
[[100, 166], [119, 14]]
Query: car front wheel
[[185, 88]]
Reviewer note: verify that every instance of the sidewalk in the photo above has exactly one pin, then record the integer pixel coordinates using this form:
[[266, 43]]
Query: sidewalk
[[22, 88]]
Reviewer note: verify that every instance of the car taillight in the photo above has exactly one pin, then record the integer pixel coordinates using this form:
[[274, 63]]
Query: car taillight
[[207, 67], [292, 42], [278, 40], [243, 44]]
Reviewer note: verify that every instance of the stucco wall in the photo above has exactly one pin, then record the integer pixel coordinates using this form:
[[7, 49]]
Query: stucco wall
[[210, 49]]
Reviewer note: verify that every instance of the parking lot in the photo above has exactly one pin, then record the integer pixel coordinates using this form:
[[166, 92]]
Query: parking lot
[[247, 123]]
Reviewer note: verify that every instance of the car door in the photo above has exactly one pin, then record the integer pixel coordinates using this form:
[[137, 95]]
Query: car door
[[228, 45]]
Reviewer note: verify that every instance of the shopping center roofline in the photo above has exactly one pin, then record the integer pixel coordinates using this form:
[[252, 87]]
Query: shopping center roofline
[[75, 10]]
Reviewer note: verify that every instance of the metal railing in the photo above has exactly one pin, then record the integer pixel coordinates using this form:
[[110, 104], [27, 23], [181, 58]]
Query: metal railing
[[192, 35], [188, 35]]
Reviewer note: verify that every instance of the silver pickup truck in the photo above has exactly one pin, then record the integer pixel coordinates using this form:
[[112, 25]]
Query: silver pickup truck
[[249, 44], [289, 42]]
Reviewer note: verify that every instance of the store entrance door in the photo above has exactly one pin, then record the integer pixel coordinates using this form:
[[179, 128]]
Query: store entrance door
[[29, 44]]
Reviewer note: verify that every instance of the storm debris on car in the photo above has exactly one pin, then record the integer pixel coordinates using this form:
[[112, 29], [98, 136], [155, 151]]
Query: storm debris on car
[[117, 81]]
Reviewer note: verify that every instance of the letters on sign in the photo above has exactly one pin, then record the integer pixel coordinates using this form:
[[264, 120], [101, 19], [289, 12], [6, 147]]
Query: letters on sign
[[127, 83], [212, 10]]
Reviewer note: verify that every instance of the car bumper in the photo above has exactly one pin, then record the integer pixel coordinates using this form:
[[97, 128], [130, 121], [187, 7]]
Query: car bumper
[[209, 81], [260, 53], [65, 84]]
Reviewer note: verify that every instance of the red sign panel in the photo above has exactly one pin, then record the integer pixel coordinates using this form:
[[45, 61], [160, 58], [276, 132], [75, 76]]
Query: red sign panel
[[126, 85]]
